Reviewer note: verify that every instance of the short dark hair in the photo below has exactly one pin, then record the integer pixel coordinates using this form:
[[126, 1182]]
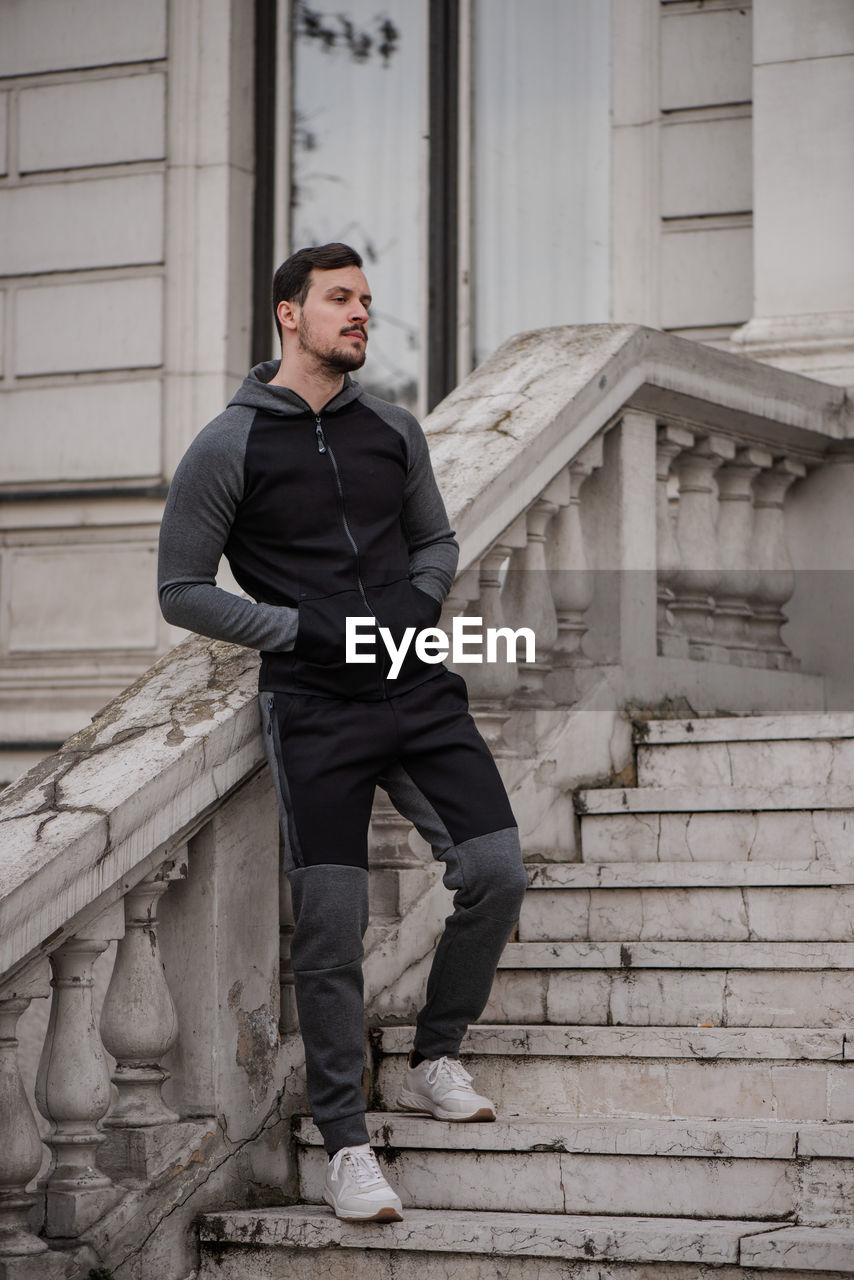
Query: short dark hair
[[292, 281]]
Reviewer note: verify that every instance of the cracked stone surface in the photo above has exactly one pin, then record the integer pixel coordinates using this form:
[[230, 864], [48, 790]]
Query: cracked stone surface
[[658, 1088], [703, 913], [154, 758], [533, 1235], [748, 764], [771, 836]]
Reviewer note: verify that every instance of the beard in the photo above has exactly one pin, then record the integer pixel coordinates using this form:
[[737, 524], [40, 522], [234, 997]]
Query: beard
[[333, 358]]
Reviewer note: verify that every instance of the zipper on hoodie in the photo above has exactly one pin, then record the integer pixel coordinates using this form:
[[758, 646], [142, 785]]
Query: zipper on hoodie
[[323, 447]]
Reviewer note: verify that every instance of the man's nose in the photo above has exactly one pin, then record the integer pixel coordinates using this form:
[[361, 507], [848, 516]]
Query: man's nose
[[359, 314]]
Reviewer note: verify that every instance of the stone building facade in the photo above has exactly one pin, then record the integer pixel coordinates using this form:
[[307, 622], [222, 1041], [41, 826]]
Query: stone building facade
[[683, 164]]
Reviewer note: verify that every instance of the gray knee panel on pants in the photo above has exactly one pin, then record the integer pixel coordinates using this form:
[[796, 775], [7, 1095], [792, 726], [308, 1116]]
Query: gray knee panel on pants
[[330, 915], [488, 874]]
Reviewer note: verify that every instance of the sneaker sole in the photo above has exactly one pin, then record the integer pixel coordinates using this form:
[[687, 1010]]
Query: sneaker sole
[[386, 1214], [411, 1102]]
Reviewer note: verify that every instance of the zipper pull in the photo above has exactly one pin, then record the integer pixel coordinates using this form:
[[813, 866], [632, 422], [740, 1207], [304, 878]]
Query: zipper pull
[[318, 431], [270, 707]]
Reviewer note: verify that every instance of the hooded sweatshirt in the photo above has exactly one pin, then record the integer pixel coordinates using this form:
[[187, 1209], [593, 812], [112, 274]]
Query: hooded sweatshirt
[[320, 516]]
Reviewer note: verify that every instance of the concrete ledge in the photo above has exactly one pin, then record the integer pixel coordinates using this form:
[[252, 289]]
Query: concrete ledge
[[684, 956], [729, 1139], [688, 875], [500, 1234], [609, 800], [802, 1249], [716, 1043], [746, 729], [150, 764]]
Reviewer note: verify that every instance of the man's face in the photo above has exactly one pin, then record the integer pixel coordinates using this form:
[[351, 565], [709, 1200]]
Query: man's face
[[332, 323]]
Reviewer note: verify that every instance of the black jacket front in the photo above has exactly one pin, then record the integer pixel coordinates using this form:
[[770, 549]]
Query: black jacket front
[[321, 517]]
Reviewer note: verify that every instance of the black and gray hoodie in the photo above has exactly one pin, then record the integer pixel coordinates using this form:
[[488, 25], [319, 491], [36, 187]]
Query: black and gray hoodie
[[320, 516]]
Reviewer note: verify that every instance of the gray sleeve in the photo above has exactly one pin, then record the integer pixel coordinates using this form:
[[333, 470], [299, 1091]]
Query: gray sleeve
[[433, 549], [200, 509]]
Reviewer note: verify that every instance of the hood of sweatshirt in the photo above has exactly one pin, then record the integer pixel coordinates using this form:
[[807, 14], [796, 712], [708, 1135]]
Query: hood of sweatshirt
[[258, 392]]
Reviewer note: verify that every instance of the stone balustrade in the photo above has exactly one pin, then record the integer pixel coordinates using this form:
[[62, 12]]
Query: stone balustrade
[[622, 494]]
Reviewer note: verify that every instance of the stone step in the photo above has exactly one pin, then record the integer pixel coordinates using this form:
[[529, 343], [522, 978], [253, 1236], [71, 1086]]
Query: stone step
[[774, 763], [799, 1074], [794, 751], [689, 875], [746, 728], [740, 831], [548, 1166], [686, 984], [820, 913], [713, 799], [304, 1242]]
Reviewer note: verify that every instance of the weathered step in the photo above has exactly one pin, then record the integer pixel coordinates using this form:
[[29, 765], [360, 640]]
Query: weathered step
[[554, 876], [742, 984], [716, 824], [732, 913], [689, 901], [306, 1241], [792, 751], [710, 1170], [806, 726], [798, 1074]]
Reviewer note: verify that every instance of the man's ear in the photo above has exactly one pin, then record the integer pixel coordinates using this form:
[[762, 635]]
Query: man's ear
[[288, 315]]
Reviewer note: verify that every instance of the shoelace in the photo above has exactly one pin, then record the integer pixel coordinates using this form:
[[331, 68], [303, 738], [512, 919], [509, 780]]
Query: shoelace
[[362, 1162], [450, 1068]]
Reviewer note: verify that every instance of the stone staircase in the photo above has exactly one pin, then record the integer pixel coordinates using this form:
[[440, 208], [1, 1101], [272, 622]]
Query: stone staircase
[[670, 1043]]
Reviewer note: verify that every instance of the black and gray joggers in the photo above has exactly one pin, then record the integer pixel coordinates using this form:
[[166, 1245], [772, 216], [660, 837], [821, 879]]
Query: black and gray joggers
[[327, 755]]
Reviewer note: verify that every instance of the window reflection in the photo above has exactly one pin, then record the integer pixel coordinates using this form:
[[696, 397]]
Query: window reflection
[[359, 86], [541, 144]]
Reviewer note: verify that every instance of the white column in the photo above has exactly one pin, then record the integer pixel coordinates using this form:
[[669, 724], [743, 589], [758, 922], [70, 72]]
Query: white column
[[491, 685], [528, 600], [697, 579], [803, 177], [739, 575], [73, 1089], [671, 442], [21, 1148], [572, 577], [770, 553], [138, 1023]]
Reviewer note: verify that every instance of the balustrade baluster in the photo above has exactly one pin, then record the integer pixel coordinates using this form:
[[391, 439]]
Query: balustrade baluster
[[738, 576], [571, 576], [770, 554], [138, 1022], [528, 601], [671, 441], [492, 684], [697, 578], [73, 1088], [21, 1149]]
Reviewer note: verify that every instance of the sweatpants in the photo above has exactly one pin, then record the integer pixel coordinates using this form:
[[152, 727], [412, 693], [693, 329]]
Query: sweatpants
[[422, 747]]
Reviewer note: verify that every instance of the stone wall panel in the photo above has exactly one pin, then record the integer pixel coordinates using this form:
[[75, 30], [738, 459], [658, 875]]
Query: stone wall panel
[[705, 58], [707, 276], [83, 597], [706, 167], [83, 432], [105, 222], [92, 122], [43, 35], [76, 328]]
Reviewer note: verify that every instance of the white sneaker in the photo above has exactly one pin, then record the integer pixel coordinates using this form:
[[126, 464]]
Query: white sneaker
[[356, 1190], [443, 1088]]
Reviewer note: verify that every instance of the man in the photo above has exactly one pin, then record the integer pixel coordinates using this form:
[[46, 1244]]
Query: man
[[323, 500]]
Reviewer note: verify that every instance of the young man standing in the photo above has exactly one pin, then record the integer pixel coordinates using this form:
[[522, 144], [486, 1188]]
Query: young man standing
[[322, 498]]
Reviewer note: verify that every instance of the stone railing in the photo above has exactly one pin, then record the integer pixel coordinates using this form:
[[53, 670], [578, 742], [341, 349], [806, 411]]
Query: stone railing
[[617, 491]]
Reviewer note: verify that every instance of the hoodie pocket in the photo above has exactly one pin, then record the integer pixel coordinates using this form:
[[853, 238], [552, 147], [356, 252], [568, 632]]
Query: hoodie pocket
[[322, 631]]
